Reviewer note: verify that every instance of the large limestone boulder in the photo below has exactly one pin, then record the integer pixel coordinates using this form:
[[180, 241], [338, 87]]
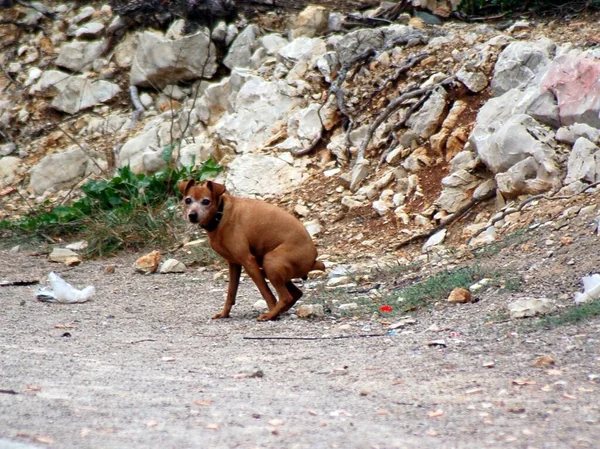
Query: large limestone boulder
[[254, 175], [575, 81], [526, 150], [584, 162], [78, 56], [78, 93], [73, 93], [159, 61], [260, 108], [427, 120], [302, 49], [356, 42], [311, 22], [242, 48], [62, 170], [522, 64]]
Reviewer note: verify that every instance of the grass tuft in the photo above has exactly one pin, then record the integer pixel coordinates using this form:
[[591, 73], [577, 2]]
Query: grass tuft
[[572, 315], [128, 211]]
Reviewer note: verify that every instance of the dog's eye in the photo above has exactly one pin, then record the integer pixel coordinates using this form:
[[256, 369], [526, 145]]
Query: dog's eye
[[188, 200], [205, 202]]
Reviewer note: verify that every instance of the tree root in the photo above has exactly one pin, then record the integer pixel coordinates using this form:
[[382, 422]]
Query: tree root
[[449, 221], [519, 208]]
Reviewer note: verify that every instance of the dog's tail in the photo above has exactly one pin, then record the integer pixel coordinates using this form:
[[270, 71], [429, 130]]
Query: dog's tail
[[318, 266]]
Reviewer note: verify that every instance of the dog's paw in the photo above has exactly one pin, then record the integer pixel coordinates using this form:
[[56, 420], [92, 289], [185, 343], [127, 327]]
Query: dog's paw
[[219, 315], [265, 317]]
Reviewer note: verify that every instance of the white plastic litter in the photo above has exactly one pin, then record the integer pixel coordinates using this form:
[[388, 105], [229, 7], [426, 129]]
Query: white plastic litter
[[591, 289], [63, 292]]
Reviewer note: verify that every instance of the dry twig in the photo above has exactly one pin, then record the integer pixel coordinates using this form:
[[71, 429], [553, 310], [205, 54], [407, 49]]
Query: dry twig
[[519, 208], [450, 220]]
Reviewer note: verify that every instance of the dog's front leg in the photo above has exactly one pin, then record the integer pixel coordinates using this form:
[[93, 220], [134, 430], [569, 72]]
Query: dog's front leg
[[234, 281]]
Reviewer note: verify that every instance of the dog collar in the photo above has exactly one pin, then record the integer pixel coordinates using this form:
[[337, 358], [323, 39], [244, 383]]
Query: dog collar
[[212, 225]]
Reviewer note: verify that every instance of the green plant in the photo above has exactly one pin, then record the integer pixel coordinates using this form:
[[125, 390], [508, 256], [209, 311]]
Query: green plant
[[128, 210], [572, 315]]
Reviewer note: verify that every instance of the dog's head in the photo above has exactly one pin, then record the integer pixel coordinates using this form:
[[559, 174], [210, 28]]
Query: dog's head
[[200, 201]]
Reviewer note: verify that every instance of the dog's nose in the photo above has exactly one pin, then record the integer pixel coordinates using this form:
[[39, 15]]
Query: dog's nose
[[193, 217]]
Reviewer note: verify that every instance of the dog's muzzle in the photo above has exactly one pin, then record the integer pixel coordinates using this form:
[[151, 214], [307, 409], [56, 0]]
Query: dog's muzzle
[[193, 217]]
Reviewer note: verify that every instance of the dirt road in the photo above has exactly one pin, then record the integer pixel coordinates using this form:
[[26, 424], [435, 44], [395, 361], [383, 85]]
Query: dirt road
[[143, 366]]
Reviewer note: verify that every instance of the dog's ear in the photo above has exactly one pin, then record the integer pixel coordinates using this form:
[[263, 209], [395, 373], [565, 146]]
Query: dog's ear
[[216, 188], [184, 186]]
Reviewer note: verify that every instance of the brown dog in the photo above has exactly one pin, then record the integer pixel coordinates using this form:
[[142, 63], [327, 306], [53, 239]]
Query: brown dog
[[265, 240]]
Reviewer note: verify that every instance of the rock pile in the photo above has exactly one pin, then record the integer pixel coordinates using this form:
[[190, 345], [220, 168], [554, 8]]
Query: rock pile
[[413, 120]]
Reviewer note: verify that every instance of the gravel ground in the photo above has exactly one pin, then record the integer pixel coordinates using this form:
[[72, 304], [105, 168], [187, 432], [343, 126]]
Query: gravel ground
[[143, 366]]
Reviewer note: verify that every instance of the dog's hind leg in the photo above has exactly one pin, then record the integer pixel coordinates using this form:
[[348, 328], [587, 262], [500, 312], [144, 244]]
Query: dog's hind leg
[[258, 276]]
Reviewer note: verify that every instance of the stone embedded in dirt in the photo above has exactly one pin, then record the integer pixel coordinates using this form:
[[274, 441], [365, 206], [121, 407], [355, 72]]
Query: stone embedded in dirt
[[61, 255], [313, 227], [310, 311], [460, 295], [348, 306], [72, 261], [544, 361], [529, 307], [489, 364], [402, 323], [77, 246], [110, 268], [260, 306], [172, 266], [148, 263], [301, 210], [338, 281]]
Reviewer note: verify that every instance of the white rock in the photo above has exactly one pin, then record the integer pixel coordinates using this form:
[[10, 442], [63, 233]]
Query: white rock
[[259, 110], [338, 280], [302, 49], [528, 307], [61, 255], [8, 169], [434, 240], [172, 266], [90, 30], [77, 246], [313, 227], [348, 306], [78, 56], [159, 61], [584, 162], [260, 306], [242, 48], [259, 175], [60, 170], [302, 210]]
